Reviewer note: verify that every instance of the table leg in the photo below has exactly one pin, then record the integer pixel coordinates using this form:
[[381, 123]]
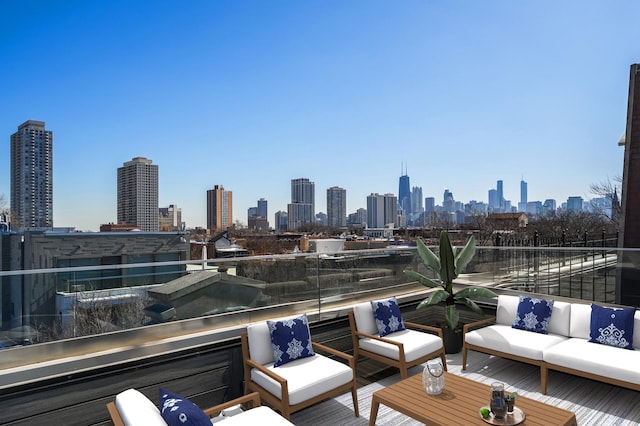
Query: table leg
[[375, 404]]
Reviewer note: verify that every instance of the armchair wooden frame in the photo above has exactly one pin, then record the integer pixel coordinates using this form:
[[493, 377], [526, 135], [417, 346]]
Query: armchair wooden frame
[[401, 363], [283, 405], [250, 400]]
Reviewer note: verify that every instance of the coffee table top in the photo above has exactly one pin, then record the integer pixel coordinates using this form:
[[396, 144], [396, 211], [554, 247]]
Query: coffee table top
[[459, 403]]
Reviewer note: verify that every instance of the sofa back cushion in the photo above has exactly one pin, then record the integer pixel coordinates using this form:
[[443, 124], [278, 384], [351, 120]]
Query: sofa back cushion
[[260, 349], [636, 330], [560, 315]]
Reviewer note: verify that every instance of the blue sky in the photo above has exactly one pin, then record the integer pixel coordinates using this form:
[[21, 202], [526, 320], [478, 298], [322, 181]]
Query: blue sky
[[250, 94]]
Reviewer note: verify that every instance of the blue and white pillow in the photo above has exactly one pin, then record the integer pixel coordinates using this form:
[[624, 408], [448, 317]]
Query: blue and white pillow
[[387, 315], [533, 315], [612, 326], [179, 411], [290, 339]]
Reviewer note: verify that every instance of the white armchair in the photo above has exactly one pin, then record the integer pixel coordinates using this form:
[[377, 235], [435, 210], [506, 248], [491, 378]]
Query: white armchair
[[298, 383], [401, 349]]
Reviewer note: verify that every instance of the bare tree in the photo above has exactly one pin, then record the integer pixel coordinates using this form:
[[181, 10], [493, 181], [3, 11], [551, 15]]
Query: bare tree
[[608, 190]]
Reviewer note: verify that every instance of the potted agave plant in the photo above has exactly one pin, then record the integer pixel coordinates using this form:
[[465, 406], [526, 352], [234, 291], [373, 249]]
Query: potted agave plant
[[448, 265]]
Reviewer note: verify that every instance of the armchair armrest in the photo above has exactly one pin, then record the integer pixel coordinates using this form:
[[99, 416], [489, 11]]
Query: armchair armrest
[[253, 398], [381, 339], [427, 328], [332, 351], [473, 325], [267, 372]]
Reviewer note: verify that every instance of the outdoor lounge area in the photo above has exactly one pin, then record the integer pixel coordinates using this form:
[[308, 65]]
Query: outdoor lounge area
[[71, 381]]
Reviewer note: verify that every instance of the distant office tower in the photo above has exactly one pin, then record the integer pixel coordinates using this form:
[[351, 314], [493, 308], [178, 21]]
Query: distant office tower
[[301, 211], [493, 200], [262, 208], [448, 202], [32, 176], [219, 209], [404, 195], [574, 204], [416, 200], [138, 194], [429, 204], [522, 206], [382, 210], [336, 207], [281, 220], [252, 212], [500, 195], [170, 218]]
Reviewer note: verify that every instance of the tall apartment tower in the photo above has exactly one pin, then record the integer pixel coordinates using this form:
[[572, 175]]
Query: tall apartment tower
[[382, 210], [336, 207], [32, 176], [138, 194], [219, 208], [301, 210]]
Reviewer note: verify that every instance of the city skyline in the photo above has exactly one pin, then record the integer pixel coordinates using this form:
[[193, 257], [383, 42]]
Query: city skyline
[[252, 95]]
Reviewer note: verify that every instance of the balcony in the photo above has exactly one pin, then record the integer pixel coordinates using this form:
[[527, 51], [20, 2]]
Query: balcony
[[177, 325]]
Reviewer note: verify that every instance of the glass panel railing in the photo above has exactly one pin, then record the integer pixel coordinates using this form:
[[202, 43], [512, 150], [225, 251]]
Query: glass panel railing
[[82, 299]]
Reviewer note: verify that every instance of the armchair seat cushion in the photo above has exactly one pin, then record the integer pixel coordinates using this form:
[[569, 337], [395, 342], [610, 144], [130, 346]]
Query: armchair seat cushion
[[504, 338], [306, 377], [415, 343]]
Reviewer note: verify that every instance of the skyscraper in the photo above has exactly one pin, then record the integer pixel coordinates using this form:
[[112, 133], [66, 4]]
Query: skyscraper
[[404, 195], [301, 211], [32, 176], [219, 209], [523, 196], [500, 205], [138, 194], [336, 207], [262, 208]]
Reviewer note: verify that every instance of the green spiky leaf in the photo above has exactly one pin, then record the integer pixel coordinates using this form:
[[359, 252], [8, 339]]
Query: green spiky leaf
[[434, 298], [425, 281], [451, 316], [427, 256], [447, 263], [466, 254]]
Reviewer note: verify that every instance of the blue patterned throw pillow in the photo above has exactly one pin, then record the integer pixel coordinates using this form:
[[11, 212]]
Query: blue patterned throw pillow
[[290, 339], [533, 314], [612, 326], [179, 411], [387, 315]]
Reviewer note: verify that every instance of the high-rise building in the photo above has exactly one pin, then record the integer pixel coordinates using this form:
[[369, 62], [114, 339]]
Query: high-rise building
[[336, 207], [500, 205], [281, 220], [404, 195], [138, 194], [382, 210], [170, 218], [416, 200], [448, 202], [32, 176], [301, 211], [262, 208], [219, 209], [522, 206], [575, 204]]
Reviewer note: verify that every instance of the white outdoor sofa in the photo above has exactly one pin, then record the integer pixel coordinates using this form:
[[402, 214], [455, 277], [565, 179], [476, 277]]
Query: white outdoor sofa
[[565, 348]]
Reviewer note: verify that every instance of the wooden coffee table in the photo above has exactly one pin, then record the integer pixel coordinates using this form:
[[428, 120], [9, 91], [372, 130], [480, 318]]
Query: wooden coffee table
[[458, 404]]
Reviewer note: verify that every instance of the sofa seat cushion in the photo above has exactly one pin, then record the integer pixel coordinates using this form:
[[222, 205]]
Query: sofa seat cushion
[[603, 360], [415, 344], [136, 409], [504, 338], [306, 377], [263, 416]]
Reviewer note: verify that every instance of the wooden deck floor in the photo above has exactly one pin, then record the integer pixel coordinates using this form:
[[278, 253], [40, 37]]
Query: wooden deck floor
[[593, 402]]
